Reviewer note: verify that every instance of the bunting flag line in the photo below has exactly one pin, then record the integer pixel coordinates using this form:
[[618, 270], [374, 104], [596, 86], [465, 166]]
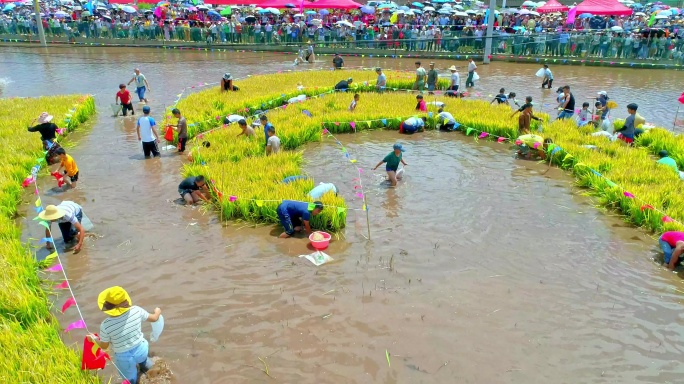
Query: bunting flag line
[[69, 302], [78, 324], [55, 268]]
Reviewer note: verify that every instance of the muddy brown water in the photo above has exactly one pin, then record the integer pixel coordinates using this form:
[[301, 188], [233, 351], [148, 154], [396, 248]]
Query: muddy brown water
[[481, 268]]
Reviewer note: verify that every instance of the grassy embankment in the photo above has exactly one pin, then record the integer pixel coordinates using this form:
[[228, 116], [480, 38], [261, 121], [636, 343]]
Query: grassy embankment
[[31, 350]]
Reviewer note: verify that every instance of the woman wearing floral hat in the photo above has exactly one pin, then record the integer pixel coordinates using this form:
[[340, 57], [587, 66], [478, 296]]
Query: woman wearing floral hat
[[48, 133], [122, 330]]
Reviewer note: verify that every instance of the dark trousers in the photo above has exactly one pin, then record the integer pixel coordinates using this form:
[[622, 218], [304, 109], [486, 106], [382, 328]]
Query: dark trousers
[[469, 80], [150, 147], [181, 143], [68, 230]]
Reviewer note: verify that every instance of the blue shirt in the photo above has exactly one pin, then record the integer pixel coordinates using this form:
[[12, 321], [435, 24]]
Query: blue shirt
[[266, 127], [296, 209], [563, 38]]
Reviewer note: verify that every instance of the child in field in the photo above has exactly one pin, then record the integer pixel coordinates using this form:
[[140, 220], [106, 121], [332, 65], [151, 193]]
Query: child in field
[[126, 100], [273, 143], [205, 144], [392, 161], [501, 98], [584, 116], [421, 106], [352, 106], [122, 330], [70, 167]]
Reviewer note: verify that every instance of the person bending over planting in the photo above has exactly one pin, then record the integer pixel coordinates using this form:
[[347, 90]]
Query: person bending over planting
[[122, 330], [68, 216], [412, 125], [193, 189], [70, 167], [393, 159], [295, 214], [672, 244]]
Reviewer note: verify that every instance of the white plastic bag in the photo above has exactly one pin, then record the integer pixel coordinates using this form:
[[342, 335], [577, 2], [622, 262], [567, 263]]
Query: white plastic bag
[[540, 72], [85, 222], [116, 108], [318, 258], [157, 328], [476, 77], [607, 125]]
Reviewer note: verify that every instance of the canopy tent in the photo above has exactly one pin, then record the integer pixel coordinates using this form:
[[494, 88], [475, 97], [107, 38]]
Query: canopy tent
[[552, 6], [603, 7], [309, 4]]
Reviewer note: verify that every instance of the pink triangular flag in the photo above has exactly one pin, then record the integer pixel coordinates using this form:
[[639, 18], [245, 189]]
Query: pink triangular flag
[[55, 268], [126, 382], [62, 285], [359, 195], [536, 145], [627, 194], [483, 135], [667, 219], [353, 125], [681, 98], [336, 123], [501, 139], [70, 301], [75, 325]]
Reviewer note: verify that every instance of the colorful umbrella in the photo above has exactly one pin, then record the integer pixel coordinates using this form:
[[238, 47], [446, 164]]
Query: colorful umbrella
[[226, 12], [128, 9]]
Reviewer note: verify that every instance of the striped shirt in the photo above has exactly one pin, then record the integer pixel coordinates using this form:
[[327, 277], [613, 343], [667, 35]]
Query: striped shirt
[[124, 332], [71, 209]]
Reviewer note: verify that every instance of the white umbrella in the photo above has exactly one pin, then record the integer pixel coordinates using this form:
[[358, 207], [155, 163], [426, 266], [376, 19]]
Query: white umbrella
[[470, 11], [345, 23], [316, 22], [128, 9], [639, 14], [400, 12], [458, 6], [409, 13], [299, 15], [616, 28], [462, 14], [273, 11], [523, 12], [662, 17], [203, 7], [540, 3], [60, 14], [529, 3], [534, 13], [426, 9]]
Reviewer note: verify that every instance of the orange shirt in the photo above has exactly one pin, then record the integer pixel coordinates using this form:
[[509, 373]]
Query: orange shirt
[[70, 165]]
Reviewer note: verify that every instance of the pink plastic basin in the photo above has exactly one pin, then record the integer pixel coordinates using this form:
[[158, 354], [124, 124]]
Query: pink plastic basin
[[321, 244]]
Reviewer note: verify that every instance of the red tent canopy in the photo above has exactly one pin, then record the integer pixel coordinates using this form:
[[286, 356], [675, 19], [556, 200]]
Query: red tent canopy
[[552, 6], [603, 7], [309, 4]]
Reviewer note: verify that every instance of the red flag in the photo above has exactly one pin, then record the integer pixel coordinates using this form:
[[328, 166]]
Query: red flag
[[70, 301], [62, 285], [93, 356], [681, 98]]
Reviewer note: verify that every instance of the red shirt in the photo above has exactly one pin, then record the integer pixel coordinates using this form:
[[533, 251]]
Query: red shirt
[[672, 237], [125, 96]]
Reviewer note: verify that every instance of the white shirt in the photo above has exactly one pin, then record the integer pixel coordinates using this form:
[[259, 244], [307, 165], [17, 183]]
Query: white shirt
[[447, 117], [146, 125], [234, 118], [455, 78], [274, 143], [472, 66], [70, 209], [124, 332]]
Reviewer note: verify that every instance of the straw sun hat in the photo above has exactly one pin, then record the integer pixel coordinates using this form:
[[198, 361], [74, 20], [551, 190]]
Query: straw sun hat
[[44, 118], [51, 213], [114, 301], [452, 68]]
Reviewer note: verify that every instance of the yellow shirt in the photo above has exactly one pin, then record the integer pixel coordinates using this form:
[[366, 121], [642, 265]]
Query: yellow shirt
[[70, 165]]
